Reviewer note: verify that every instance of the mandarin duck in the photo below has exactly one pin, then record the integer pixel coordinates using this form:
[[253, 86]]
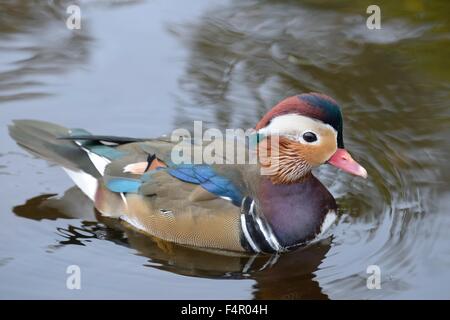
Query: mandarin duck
[[228, 206]]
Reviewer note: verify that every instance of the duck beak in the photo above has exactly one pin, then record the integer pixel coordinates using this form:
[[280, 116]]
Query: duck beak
[[343, 160]]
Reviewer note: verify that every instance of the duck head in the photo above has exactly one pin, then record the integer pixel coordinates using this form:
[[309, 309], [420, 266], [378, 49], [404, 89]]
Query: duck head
[[309, 131]]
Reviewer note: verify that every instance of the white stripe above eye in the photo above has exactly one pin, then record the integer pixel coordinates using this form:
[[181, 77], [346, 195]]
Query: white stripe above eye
[[294, 124]]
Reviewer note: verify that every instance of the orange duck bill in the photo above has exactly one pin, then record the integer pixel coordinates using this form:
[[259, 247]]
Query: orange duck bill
[[343, 160]]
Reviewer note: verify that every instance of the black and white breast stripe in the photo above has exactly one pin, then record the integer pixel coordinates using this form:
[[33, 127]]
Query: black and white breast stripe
[[257, 233]]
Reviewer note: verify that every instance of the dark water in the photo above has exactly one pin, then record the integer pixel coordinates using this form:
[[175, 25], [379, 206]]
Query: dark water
[[143, 68]]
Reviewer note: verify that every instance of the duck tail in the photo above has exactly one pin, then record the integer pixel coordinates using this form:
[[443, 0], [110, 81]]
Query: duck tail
[[43, 139]]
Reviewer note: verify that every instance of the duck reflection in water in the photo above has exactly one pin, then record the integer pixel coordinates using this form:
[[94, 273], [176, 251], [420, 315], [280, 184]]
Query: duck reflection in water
[[286, 276]]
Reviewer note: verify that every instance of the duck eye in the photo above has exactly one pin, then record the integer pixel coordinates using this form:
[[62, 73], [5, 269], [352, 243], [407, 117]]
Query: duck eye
[[309, 137]]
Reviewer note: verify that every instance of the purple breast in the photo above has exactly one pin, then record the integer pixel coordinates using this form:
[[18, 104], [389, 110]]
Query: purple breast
[[295, 211]]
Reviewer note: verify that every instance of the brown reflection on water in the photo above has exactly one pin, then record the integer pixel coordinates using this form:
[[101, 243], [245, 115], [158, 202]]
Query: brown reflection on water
[[289, 276]]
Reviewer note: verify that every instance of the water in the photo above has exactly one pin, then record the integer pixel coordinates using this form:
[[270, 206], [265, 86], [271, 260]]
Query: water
[[143, 68]]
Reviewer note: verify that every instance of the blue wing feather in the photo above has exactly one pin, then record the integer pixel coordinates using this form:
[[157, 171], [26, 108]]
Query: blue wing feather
[[205, 176]]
